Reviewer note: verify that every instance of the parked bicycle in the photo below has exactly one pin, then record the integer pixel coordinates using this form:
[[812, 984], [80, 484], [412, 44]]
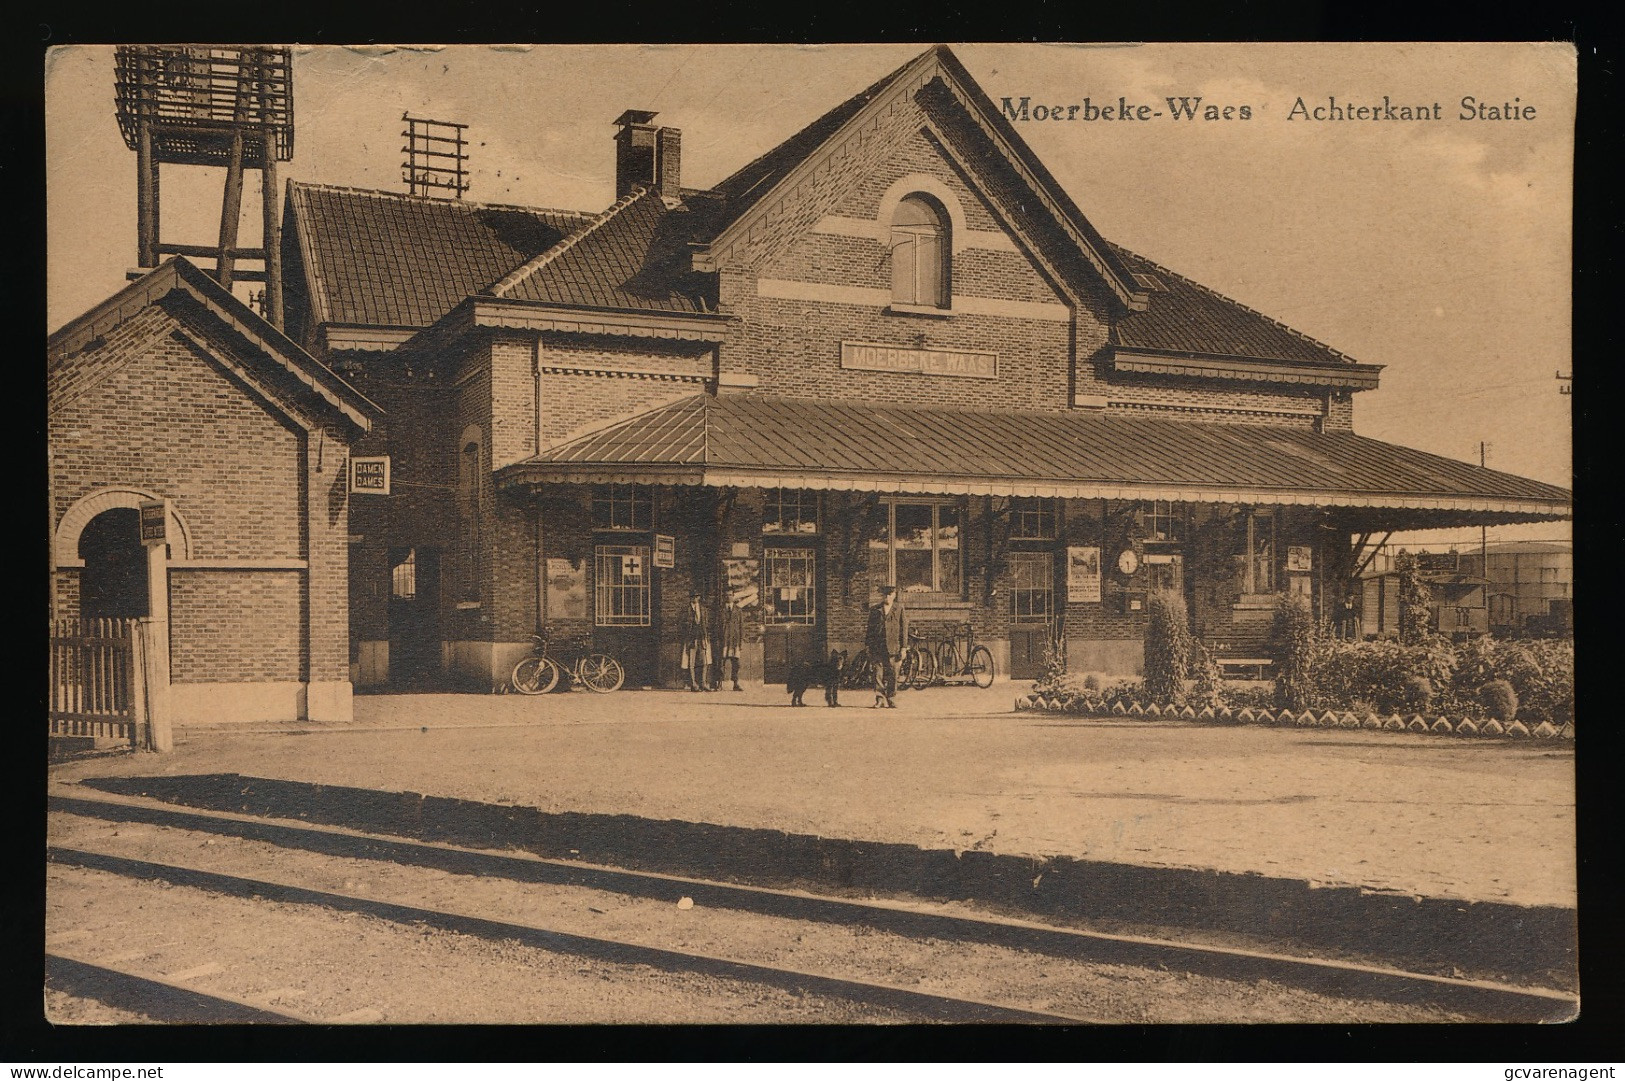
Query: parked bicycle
[[540, 672], [919, 666], [960, 659], [916, 669]]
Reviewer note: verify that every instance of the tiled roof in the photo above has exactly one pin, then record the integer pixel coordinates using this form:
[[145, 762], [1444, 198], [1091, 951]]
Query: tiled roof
[[283, 361], [1185, 317], [831, 439], [739, 192], [634, 255], [385, 259]]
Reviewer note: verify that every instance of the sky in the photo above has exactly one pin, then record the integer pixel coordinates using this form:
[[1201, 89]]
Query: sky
[[1440, 249]]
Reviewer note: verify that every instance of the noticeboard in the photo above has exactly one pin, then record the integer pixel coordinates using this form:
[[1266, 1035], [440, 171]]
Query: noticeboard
[[1083, 575], [154, 521], [369, 476], [665, 551]]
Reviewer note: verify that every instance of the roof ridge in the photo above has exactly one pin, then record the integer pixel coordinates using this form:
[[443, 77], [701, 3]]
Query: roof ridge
[[306, 185], [536, 263], [1210, 291], [720, 187]]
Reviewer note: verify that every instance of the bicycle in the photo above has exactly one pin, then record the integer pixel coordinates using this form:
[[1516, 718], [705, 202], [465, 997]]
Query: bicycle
[[919, 667], [859, 673], [539, 673], [974, 662]]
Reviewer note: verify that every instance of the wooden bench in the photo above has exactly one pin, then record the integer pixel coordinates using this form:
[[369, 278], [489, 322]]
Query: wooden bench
[[1248, 654]]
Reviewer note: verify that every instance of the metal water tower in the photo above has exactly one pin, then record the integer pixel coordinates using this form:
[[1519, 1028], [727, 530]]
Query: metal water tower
[[227, 107]]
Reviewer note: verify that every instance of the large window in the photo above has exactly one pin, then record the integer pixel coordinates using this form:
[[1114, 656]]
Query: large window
[[1032, 587], [920, 550], [919, 254], [621, 585], [789, 510], [1163, 521], [622, 506], [1032, 518], [790, 581]]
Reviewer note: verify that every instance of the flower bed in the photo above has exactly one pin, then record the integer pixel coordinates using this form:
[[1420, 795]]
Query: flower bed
[[1110, 705]]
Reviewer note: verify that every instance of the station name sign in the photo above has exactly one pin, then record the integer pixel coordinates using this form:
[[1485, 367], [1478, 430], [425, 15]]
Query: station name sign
[[868, 357], [369, 476]]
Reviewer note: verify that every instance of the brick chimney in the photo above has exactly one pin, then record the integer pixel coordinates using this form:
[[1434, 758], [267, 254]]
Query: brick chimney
[[647, 155], [669, 162]]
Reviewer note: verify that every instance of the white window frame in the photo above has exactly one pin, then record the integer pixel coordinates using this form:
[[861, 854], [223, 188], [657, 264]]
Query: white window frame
[[629, 495], [608, 588], [1157, 511], [906, 244], [775, 558], [1025, 510], [889, 544], [778, 499], [1022, 609]]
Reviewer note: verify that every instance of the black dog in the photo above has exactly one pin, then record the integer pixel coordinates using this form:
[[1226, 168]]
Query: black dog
[[826, 674]]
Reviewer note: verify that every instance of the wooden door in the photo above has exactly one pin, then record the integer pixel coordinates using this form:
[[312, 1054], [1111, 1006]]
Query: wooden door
[[792, 610], [414, 617]]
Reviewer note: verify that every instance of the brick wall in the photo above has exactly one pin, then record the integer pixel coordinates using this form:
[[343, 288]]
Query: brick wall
[[184, 429], [236, 627], [168, 403]]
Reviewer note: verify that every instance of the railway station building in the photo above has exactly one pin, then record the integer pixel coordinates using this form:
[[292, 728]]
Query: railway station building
[[890, 350]]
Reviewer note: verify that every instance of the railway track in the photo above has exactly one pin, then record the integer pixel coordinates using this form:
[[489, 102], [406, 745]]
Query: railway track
[[1339, 979]]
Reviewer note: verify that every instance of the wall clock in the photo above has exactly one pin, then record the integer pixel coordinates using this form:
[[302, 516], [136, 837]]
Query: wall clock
[[1128, 562]]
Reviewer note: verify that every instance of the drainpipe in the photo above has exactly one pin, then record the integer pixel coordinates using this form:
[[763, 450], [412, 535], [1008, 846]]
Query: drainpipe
[[541, 561]]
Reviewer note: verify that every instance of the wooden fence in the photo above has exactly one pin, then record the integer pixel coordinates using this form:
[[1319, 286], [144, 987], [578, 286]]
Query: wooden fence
[[98, 687]]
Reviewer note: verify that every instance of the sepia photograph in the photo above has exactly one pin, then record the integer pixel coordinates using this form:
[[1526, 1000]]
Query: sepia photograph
[[1053, 534]]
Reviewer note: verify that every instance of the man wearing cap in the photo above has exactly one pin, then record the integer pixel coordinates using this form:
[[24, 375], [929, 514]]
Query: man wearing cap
[[886, 638]]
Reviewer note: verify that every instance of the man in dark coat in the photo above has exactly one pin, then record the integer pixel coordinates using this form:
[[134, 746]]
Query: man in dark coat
[[696, 639], [733, 639], [885, 639]]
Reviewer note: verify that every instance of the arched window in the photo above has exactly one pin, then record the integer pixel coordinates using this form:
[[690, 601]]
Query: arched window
[[920, 254]]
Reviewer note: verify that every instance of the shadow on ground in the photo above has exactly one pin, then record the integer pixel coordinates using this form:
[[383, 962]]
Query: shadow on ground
[[1518, 942]]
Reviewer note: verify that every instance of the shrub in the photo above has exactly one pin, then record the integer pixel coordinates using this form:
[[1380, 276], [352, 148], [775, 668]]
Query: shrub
[[1416, 694], [1548, 694], [1091, 682], [1207, 688], [1500, 700], [1249, 697], [1376, 672], [1541, 674], [1292, 644], [1167, 647], [1052, 677]]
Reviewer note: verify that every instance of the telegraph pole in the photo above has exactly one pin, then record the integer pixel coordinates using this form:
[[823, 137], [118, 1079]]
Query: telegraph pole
[[1483, 530]]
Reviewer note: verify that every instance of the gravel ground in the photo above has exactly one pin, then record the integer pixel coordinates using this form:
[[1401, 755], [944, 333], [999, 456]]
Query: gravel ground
[[953, 768], [358, 969]]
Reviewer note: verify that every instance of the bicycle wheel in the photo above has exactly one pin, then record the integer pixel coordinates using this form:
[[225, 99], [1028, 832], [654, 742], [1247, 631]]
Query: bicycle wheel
[[905, 669], [947, 658], [859, 672], [924, 664], [980, 667], [534, 675], [602, 673]]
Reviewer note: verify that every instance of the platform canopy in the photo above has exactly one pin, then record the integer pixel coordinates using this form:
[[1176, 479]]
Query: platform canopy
[[763, 442]]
